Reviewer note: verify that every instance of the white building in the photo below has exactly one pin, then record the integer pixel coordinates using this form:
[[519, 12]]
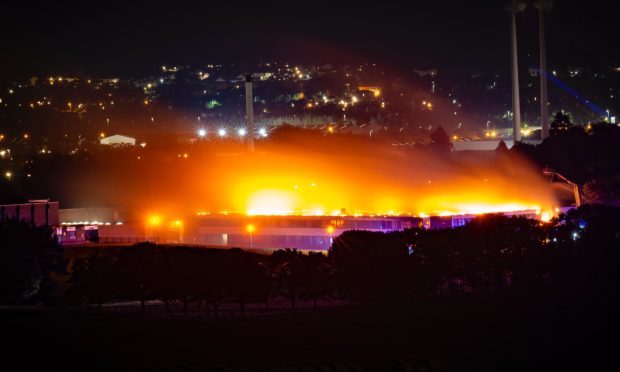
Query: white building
[[118, 140]]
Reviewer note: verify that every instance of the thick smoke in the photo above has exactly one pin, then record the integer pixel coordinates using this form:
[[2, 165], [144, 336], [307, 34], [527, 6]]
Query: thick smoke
[[306, 172]]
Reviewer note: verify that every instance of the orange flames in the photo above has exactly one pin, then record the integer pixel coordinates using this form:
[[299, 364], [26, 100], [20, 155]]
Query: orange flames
[[372, 180], [309, 173]]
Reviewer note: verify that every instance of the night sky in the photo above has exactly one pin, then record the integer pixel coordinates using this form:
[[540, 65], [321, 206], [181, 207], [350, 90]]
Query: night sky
[[100, 38]]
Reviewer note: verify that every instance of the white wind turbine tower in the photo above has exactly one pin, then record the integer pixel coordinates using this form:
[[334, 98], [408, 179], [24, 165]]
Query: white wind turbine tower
[[514, 8], [543, 5]]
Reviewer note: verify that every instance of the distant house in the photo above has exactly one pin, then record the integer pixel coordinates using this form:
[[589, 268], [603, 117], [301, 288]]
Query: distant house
[[118, 140]]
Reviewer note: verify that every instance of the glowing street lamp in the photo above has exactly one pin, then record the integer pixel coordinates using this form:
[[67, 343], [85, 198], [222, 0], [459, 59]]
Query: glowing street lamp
[[178, 225], [202, 133], [330, 230], [153, 221], [262, 132], [241, 132], [221, 132], [250, 228]]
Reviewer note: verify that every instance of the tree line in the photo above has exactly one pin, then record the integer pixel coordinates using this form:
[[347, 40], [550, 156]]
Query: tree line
[[211, 277], [585, 155], [575, 253]]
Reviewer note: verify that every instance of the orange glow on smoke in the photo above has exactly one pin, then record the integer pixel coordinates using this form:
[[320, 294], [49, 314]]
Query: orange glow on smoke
[[154, 220], [317, 173], [296, 183]]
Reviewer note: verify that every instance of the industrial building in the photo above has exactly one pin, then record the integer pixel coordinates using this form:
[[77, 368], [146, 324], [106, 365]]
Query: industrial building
[[300, 232], [107, 225], [37, 212]]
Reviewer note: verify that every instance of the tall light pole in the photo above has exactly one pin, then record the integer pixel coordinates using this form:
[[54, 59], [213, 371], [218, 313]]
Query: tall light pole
[[250, 229], [515, 8], [330, 231], [543, 5]]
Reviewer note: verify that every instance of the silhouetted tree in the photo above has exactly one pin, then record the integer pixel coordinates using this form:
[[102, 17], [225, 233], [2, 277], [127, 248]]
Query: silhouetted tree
[[29, 257], [370, 266], [501, 148], [317, 275], [137, 270], [579, 155], [603, 190], [247, 280], [213, 280], [440, 141], [165, 286], [560, 122], [95, 278], [300, 276]]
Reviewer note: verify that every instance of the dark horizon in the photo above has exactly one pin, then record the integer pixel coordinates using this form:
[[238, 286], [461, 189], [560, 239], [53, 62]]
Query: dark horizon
[[456, 37]]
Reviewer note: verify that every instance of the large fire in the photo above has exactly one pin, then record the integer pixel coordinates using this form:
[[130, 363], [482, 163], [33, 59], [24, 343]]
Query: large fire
[[309, 173], [371, 180]]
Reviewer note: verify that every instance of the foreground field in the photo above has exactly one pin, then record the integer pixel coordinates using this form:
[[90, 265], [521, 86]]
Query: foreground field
[[512, 331]]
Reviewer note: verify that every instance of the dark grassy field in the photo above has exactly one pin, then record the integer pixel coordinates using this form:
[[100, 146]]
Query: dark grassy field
[[508, 332]]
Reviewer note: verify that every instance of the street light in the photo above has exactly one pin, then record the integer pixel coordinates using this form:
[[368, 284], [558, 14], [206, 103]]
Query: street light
[[153, 220], [221, 132], [241, 132], [330, 230], [202, 132], [178, 225], [250, 228]]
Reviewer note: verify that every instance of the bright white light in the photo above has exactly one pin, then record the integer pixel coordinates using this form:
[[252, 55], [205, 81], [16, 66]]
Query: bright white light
[[221, 132], [202, 132], [241, 132], [262, 132]]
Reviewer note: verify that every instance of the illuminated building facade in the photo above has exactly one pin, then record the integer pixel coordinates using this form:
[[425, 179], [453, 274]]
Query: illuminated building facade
[[299, 232]]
